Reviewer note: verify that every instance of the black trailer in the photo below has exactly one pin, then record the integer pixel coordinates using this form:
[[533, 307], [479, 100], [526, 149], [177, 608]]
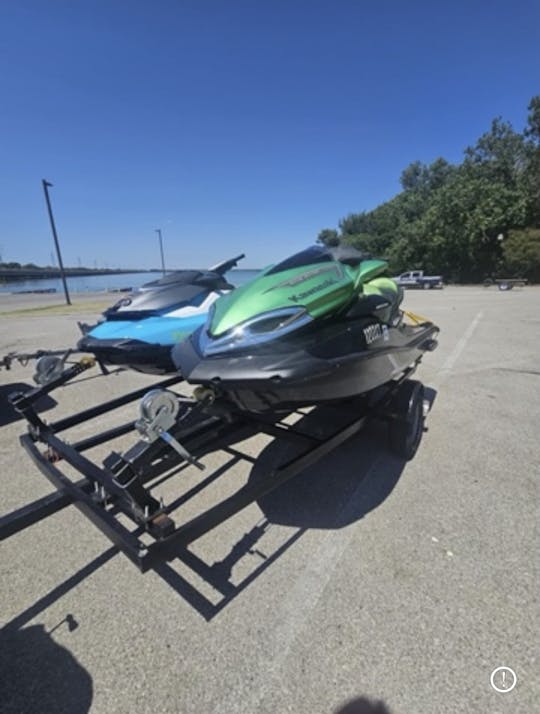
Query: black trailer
[[506, 283], [50, 364], [176, 430]]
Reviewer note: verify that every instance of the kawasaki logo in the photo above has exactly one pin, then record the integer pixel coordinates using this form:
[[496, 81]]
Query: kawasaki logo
[[312, 291], [307, 276]]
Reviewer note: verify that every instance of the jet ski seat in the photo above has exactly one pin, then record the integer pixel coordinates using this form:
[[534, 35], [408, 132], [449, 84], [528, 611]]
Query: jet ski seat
[[380, 298]]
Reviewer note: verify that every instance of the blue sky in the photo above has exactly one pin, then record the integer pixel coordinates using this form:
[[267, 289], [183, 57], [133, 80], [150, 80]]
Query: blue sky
[[237, 126]]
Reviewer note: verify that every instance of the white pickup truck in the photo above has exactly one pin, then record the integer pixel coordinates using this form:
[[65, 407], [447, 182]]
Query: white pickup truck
[[417, 279]]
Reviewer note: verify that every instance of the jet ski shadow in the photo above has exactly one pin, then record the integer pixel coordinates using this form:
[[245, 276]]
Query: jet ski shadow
[[8, 414], [40, 675], [338, 490], [341, 488]]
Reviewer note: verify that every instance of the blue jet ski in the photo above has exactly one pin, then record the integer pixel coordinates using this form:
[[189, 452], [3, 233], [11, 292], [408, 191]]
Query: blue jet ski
[[140, 330]]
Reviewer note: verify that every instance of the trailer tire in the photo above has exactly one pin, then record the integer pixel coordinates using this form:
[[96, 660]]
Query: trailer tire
[[407, 424]]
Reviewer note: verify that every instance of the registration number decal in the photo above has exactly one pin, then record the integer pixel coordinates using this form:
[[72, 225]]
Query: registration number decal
[[372, 333]]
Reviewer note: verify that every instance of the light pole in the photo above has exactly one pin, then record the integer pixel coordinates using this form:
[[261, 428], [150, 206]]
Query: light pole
[[158, 231], [46, 185]]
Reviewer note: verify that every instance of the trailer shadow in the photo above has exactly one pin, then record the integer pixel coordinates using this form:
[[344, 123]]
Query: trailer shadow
[[40, 675], [8, 414], [339, 490], [217, 575]]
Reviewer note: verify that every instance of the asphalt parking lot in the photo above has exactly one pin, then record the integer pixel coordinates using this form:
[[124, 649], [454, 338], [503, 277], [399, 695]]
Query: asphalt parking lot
[[365, 578]]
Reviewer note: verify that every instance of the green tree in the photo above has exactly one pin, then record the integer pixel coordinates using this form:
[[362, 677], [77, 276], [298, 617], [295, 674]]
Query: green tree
[[521, 251], [531, 180], [328, 236], [448, 218]]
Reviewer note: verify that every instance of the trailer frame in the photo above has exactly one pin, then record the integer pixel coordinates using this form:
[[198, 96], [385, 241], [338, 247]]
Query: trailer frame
[[122, 484]]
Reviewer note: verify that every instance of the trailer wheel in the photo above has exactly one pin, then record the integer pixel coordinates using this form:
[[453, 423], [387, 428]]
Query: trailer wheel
[[407, 424]]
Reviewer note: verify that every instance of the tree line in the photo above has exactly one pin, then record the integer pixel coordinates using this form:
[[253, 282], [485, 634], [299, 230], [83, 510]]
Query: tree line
[[467, 221]]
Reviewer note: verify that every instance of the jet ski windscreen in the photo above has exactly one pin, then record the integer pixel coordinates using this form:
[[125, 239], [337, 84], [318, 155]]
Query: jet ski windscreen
[[179, 277], [348, 255], [309, 256], [321, 254], [182, 278], [143, 304]]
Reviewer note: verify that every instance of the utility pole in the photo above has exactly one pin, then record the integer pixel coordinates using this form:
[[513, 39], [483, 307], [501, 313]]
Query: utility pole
[[158, 231], [46, 185]]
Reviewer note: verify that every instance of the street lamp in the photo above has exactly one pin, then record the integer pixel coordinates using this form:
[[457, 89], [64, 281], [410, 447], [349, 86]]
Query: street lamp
[[46, 185], [158, 231]]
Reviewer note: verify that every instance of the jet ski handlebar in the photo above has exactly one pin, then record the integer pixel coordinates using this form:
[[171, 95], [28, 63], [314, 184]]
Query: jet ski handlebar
[[227, 265]]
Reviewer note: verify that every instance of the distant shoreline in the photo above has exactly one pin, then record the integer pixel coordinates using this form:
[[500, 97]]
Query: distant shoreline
[[98, 283], [9, 275]]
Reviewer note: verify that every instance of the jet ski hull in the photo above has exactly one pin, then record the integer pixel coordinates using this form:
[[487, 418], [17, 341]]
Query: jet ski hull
[[132, 354], [143, 345], [339, 361]]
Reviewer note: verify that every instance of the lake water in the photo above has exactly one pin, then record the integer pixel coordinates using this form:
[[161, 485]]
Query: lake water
[[98, 283]]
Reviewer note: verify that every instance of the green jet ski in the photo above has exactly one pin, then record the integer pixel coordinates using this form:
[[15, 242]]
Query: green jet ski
[[322, 325]]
